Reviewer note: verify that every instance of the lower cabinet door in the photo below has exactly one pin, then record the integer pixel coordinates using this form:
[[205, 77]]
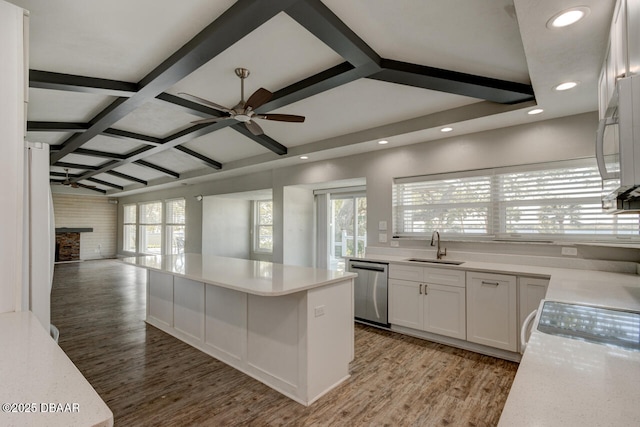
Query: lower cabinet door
[[492, 310], [405, 303], [445, 310]]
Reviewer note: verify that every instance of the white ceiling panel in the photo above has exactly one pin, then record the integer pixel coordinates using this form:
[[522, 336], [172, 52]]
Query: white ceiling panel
[[278, 53], [115, 39], [51, 138], [112, 145], [226, 145], [359, 105], [156, 119], [141, 172], [113, 179], [84, 160], [59, 106], [175, 161], [475, 37]]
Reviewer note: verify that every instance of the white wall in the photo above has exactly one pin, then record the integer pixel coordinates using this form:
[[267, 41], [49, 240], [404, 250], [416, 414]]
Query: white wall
[[226, 227], [12, 126], [298, 235], [558, 139]]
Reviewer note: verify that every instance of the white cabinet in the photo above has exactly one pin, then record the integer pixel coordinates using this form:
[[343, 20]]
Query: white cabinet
[[188, 307], [622, 57], [492, 316], [428, 299], [160, 297], [531, 290]]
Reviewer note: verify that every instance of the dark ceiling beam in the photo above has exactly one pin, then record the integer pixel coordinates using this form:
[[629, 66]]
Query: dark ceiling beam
[[75, 166], [33, 126], [486, 88], [326, 26], [92, 188], [157, 168], [63, 175], [124, 176], [206, 160], [169, 142], [102, 154], [69, 82], [190, 107], [235, 23], [264, 140], [123, 134], [106, 184]]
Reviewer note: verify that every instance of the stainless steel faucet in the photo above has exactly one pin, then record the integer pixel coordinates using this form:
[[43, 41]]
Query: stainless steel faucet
[[439, 252]]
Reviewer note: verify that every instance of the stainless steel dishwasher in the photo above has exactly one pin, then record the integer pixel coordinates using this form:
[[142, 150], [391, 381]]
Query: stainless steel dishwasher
[[370, 291]]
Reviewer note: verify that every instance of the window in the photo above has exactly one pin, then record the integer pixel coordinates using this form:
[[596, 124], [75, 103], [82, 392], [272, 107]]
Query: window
[[150, 228], [130, 226], [557, 201], [263, 240], [347, 227], [175, 226]]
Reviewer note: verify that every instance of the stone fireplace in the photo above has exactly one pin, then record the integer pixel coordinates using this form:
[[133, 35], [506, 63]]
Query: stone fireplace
[[68, 243]]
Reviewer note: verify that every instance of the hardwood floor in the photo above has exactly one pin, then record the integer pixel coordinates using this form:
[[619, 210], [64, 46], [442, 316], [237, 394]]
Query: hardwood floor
[[149, 378]]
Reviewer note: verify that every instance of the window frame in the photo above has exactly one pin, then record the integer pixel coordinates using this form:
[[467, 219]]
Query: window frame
[[168, 247], [257, 225], [134, 224], [496, 217]]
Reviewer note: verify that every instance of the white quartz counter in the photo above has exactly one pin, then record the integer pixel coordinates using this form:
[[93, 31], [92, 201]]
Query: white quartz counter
[[40, 386], [566, 382], [253, 277]]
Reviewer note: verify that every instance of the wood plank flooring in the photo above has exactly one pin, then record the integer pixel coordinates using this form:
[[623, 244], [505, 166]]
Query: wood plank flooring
[[149, 378]]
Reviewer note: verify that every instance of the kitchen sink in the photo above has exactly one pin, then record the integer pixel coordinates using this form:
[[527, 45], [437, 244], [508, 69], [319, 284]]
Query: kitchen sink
[[436, 261]]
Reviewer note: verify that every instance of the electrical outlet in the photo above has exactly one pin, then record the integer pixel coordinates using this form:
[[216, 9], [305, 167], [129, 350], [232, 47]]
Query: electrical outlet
[[319, 311], [395, 244], [570, 251], [382, 238]]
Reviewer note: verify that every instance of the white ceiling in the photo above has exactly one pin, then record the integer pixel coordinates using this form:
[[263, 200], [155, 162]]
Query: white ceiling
[[125, 41]]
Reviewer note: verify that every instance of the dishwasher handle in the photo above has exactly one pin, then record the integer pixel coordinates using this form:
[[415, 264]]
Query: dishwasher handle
[[368, 267], [525, 327]]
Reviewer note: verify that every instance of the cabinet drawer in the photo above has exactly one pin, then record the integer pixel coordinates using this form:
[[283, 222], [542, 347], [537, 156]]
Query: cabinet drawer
[[443, 276], [406, 272]]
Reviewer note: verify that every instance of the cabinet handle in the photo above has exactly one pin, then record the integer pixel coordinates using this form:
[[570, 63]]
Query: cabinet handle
[[484, 282], [426, 290], [420, 288]]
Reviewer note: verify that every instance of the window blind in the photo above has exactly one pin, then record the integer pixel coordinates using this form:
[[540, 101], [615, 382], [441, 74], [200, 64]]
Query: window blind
[[554, 200]]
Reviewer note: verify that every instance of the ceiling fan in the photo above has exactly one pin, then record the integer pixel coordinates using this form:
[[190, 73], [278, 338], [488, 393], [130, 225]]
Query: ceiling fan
[[244, 111], [68, 183]]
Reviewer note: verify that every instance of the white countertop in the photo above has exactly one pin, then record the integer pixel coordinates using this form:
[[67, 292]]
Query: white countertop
[[562, 381], [253, 277], [35, 372]]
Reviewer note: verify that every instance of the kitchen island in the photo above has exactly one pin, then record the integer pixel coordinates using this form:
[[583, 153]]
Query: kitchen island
[[289, 327]]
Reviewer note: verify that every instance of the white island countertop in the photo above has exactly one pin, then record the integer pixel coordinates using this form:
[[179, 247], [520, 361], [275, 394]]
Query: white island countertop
[[253, 277], [40, 386]]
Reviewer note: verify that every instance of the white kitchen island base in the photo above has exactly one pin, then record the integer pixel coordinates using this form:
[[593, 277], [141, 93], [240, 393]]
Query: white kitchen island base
[[297, 340]]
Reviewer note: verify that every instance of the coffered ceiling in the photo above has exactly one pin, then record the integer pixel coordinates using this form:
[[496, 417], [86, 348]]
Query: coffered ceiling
[[106, 79]]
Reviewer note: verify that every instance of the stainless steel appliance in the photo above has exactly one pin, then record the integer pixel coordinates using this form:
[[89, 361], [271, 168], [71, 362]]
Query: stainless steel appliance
[[618, 148], [371, 291]]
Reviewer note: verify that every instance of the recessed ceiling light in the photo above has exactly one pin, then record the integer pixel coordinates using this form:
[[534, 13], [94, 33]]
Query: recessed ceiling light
[[568, 17], [447, 129], [535, 111], [304, 157], [383, 142], [566, 86]]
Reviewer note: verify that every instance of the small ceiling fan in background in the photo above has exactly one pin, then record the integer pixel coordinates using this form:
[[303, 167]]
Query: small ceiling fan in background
[[244, 111], [68, 183]]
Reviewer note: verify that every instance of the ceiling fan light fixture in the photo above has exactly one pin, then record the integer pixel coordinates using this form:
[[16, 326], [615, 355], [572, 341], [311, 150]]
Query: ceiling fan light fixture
[[566, 86], [568, 17]]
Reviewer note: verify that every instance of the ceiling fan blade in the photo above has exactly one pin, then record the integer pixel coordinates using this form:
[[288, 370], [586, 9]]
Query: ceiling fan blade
[[281, 117], [253, 127], [205, 101], [74, 185], [210, 120], [258, 98]]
